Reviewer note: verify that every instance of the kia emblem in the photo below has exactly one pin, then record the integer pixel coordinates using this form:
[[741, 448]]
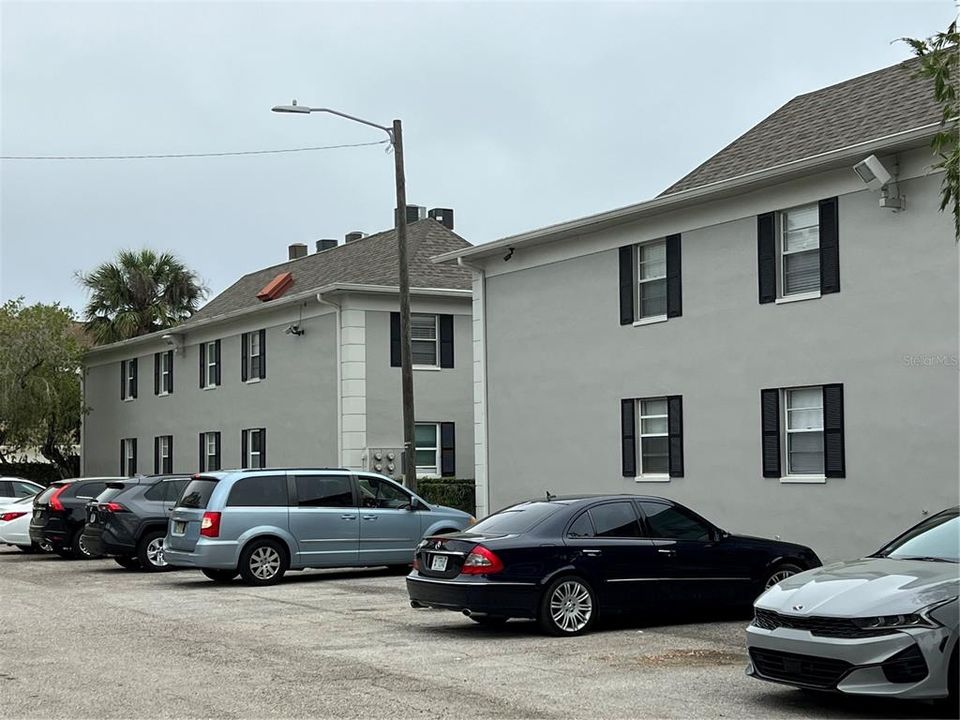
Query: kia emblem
[[798, 608]]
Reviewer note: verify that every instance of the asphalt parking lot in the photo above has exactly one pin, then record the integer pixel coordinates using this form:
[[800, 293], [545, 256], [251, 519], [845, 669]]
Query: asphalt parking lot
[[86, 639]]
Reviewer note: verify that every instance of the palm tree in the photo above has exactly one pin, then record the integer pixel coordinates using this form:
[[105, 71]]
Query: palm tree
[[139, 293]]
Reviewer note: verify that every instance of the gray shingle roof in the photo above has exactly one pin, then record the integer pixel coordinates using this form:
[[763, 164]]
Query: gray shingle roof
[[369, 261], [868, 107]]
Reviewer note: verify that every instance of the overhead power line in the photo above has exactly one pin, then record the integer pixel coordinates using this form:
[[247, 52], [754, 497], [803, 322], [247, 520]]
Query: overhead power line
[[169, 156]]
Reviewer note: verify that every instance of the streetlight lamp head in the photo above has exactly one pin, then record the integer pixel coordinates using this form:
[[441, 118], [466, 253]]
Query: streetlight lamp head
[[291, 108]]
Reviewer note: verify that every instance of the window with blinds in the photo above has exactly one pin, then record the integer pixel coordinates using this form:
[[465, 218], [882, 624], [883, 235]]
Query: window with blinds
[[800, 250], [423, 339]]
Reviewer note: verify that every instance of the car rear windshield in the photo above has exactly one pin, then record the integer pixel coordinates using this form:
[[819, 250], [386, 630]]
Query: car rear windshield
[[197, 493], [111, 492], [45, 495], [935, 539], [516, 519]]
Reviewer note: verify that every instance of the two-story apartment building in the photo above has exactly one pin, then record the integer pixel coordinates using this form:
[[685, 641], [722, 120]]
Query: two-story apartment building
[[297, 364], [770, 340]]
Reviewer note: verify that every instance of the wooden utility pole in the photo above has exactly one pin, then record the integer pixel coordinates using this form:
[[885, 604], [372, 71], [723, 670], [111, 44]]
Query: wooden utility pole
[[406, 359]]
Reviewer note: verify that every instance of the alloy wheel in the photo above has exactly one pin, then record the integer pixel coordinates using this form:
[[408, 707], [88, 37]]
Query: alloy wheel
[[571, 606], [265, 562], [155, 553], [84, 550], [778, 576]]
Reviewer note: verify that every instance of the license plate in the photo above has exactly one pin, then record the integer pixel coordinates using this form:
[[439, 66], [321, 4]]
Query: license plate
[[93, 517], [37, 514], [179, 528], [439, 563]]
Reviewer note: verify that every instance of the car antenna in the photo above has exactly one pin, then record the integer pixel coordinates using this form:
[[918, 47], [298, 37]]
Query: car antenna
[[550, 497]]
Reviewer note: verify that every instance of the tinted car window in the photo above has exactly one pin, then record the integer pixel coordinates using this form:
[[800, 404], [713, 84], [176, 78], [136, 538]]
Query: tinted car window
[[6, 488], [45, 495], [377, 493], [671, 522], [617, 519], [89, 490], [516, 519], [197, 493], [937, 538], [174, 488], [23, 489], [582, 527], [259, 491], [324, 491], [156, 493], [111, 492]]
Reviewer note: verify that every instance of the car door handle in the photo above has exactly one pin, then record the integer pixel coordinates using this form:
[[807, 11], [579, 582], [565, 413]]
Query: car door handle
[[369, 517], [592, 553], [668, 553], [348, 517]]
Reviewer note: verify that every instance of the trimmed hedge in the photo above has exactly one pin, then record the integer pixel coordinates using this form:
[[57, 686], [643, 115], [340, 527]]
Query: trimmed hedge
[[39, 472], [453, 492]]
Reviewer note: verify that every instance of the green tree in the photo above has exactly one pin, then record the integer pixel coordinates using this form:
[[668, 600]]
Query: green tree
[[40, 369], [138, 293], [939, 62]]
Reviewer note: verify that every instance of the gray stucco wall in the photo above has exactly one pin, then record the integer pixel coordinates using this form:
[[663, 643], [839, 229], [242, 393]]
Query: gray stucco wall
[[296, 402], [444, 395], [558, 363]]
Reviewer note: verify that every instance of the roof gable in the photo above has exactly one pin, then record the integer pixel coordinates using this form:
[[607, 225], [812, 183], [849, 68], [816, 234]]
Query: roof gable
[[872, 106]]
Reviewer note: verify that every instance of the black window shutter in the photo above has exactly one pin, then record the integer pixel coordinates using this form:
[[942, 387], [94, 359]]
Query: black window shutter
[[834, 463], [123, 465], [136, 380], [123, 379], [156, 373], [448, 450], [263, 447], [244, 356], [263, 354], [767, 256], [628, 435], [626, 285], [169, 380], [770, 431], [244, 434], [203, 365], [216, 369], [394, 339], [216, 443], [156, 456], [169, 468], [445, 323], [675, 432], [202, 464], [829, 246], [134, 443], [674, 285]]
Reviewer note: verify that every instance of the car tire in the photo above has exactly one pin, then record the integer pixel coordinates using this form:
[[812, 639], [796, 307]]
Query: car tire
[[28, 549], [568, 607], [221, 577], [150, 551], [127, 562], [263, 562], [953, 681], [778, 573], [489, 620], [79, 548]]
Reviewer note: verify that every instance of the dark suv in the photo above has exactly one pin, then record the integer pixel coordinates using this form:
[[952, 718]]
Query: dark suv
[[128, 520], [59, 513]]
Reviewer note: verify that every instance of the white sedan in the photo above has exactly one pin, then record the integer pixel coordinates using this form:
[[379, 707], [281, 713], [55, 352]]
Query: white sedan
[[15, 525], [15, 488]]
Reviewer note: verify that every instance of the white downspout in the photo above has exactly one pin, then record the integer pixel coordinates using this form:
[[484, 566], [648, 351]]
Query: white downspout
[[482, 479], [336, 307]]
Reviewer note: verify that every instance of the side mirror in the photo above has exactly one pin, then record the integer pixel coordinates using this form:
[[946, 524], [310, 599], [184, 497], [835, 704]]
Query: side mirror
[[414, 505]]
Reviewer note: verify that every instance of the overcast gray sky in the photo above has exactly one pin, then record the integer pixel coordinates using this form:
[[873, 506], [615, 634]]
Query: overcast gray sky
[[516, 115]]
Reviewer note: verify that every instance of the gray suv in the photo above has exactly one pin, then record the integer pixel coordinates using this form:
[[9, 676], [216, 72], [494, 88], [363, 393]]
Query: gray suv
[[261, 523]]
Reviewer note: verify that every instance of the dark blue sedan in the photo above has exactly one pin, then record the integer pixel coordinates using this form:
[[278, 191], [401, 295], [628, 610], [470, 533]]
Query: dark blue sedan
[[563, 560]]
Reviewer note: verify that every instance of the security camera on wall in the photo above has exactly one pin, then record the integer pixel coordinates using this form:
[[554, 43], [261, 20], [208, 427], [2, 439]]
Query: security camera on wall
[[874, 175]]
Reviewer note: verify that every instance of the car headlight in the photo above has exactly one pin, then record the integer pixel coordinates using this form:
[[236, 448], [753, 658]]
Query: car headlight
[[920, 618]]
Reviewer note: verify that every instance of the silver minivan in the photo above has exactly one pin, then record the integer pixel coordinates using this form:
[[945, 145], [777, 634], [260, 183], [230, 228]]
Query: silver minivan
[[261, 523]]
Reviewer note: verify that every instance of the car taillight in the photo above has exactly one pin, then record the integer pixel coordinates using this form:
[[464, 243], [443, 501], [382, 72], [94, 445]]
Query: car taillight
[[416, 563], [55, 503], [112, 507], [210, 525], [7, 517], [481, 561]]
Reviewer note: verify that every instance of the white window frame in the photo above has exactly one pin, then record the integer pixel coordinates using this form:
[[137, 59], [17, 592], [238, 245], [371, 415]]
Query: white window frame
[[660, 477], [166, 368], [782, 253], [790, 476], [128, 457], [422, 471], [435, 365], [253, 339], [211, 369], [210, 450], [128, 380], [250, 451], [163, 447], [641, 281]]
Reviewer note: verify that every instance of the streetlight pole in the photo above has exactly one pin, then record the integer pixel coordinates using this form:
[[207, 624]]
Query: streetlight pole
[[395, 134]]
